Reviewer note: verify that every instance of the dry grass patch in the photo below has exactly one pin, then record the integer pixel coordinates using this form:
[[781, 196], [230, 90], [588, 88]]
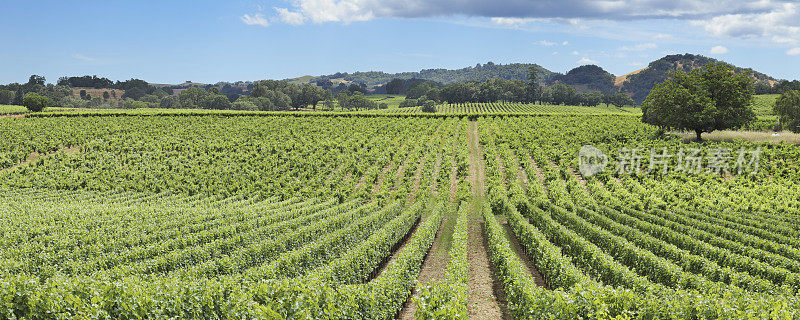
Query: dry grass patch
[[752, 136]]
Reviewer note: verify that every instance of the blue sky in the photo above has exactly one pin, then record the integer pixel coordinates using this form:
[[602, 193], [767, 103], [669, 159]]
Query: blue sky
[[211, 41]]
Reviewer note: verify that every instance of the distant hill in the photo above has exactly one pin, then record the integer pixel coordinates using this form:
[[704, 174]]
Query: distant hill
[[590, 77], [639, 83], [585, 78], [514, 71]]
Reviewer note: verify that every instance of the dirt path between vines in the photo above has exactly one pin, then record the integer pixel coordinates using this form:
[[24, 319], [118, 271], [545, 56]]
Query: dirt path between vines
[[379, 182], [417, 178], [437, 166], [537, 276], [34, 156], [434, 266], [485, 292]]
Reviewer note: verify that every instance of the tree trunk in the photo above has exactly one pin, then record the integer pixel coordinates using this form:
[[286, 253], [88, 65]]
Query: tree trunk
[[698, 133]]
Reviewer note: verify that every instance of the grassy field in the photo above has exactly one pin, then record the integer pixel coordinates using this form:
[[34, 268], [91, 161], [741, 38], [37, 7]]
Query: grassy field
[[7, 109], [764, 104], [751, 136], [393, 100]]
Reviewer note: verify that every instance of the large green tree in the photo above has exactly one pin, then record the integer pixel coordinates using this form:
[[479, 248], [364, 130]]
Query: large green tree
[[532, 88], [787, 107], [703, 100], [35, 102], [6, 96]]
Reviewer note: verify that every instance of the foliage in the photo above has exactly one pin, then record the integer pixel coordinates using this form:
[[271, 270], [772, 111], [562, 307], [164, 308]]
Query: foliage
[[448, 298], [6, 97], [428, 107], [479, 73], [640, 84], [713, 98], [787, 107], [592, 76], [86, 82], [35, 102]]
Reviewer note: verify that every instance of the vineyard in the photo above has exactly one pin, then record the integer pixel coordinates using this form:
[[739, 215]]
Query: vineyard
[[6, 110], [516, 108], [385, 216]]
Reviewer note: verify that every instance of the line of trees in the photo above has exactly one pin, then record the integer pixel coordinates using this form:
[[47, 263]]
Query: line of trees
[[14, 93], [493, 90], [273, 95]]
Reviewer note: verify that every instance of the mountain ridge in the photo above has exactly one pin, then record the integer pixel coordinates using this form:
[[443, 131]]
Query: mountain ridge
[[588, 77]]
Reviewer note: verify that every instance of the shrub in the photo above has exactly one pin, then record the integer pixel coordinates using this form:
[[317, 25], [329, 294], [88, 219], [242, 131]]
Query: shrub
[[35, 102], [244, 105], [408, 103], [429, 107]]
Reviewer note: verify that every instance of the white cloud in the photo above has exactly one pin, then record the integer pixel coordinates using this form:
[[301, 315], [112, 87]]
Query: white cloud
[[636, 64], [255, 20], [780, 24], [586, 60], [516, 12], [640, 47], [777, 21], [555, 53], [718, 50], [575, 53], [546, 43], [793, 51], [511, 22], [291, 17]]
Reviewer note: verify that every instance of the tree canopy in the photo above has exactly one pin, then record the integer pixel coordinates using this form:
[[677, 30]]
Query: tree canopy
[[787, 107], [35, 102], [703, 100]]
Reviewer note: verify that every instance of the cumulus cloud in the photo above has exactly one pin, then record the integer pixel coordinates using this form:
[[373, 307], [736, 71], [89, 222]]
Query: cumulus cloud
[[511, 22], [291, 17], [718, 50], [793, 51], [640, 47], [255, 20], [546, 43], [781, 24], [359, 10], [586, 60], [773, 20]]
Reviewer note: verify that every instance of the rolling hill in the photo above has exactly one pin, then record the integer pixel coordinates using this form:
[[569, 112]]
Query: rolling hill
[[585, 78], [639, 83], [480, 72]]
